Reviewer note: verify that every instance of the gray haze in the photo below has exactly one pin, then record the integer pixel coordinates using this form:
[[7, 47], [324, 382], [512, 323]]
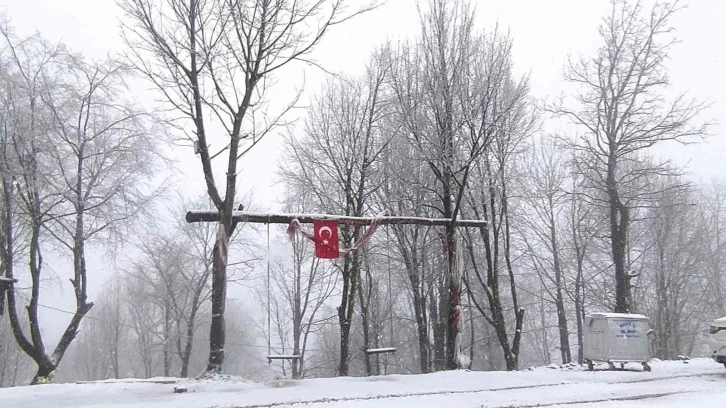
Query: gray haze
[[544, 33]]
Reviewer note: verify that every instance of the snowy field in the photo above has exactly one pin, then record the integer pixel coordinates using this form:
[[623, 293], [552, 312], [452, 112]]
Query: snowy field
[[697, 383]]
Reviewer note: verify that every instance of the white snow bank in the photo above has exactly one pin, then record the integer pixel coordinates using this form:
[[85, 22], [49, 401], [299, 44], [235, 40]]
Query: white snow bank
[[547, 386]]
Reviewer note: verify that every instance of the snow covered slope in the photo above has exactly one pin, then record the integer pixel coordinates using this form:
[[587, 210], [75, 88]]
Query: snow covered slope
[[699, 382]]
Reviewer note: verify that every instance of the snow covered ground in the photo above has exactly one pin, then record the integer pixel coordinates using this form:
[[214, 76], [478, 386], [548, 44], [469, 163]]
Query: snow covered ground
[[697, 383]]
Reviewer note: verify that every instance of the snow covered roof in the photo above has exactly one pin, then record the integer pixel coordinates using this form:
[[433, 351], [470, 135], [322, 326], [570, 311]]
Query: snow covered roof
[[720, 322], [619, 316]]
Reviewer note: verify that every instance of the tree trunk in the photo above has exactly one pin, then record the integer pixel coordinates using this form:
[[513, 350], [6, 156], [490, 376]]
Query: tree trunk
[[115, 353], [187, 353], [563, 330], [580, 314], [545, 347], [422, 328], [217, 330], [472, 329], [297, 315], [619, 224], [513, 361], [365, 317], [579, 297], [351, 271], [440, 320], [4, 361], [8, 247], [491, 364], [167, 338], [377, 344], [491, 238], [415, 270], [297, 364], [45, 372], [220, 256], [344, 339], [716, 270], [662, 318], [559, 298], [454, 302]]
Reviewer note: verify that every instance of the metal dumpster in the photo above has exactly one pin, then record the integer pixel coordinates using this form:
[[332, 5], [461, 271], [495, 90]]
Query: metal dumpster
[[616, 338]]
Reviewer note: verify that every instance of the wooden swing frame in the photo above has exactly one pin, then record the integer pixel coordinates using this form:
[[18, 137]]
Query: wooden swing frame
[[262, 218], [265, 218], [271, 357], [6, 283]]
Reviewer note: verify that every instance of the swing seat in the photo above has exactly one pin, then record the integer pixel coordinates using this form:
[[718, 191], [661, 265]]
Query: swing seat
[[383, 350], [283, 357]]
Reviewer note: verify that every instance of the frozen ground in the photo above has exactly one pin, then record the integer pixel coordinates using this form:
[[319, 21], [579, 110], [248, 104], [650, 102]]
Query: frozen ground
[[699, 383]]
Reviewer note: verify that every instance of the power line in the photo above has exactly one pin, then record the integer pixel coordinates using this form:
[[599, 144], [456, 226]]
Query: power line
[[170, 337]]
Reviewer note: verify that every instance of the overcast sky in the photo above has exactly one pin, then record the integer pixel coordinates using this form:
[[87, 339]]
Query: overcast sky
[[544, 32]]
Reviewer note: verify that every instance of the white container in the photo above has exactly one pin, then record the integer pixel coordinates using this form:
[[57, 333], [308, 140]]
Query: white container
[[717, 340], [616, 338]]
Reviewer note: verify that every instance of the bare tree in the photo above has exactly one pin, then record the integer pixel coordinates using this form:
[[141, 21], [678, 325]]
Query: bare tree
[[27, 68], [176, 265], [142, 307], [297, 293], [543, 216], [199, 241], [155, 306], [713, 210], [83, 160], [583, 226], [674, 282], [334, 163], [15, 365], [405, 191], [109, 142], [490, 199], [102, 347], [220, 56], [446, 87], [620, 105]]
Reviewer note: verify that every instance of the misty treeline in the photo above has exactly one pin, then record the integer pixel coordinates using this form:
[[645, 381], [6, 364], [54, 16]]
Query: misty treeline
[[441, 126], [77, 155]]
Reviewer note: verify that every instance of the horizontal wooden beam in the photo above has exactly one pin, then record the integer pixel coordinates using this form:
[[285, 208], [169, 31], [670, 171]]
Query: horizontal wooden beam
[[261, 218], [283, 357], [7, 281], [381, 350]]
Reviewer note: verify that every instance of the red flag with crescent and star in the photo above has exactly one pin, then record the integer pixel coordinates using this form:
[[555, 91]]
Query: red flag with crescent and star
[[326, 239]]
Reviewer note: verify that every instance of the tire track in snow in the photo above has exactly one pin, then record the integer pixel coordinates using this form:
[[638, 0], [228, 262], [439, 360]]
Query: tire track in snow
[[671, 377], [391, 396], [479, 391], [599, 400]]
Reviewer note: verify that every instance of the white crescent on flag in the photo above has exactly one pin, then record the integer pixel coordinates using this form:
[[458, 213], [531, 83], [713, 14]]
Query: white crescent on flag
[[325, 229]]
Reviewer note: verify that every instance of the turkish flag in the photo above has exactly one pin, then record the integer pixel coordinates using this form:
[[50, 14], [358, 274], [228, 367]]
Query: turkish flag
[[326, 239]]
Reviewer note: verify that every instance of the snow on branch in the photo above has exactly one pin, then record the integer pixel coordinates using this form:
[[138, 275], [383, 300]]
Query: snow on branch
[[381, 350], [284, 357], [281, 218]]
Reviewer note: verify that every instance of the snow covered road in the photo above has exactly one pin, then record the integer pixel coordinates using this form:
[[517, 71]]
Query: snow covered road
[[700, 383]]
